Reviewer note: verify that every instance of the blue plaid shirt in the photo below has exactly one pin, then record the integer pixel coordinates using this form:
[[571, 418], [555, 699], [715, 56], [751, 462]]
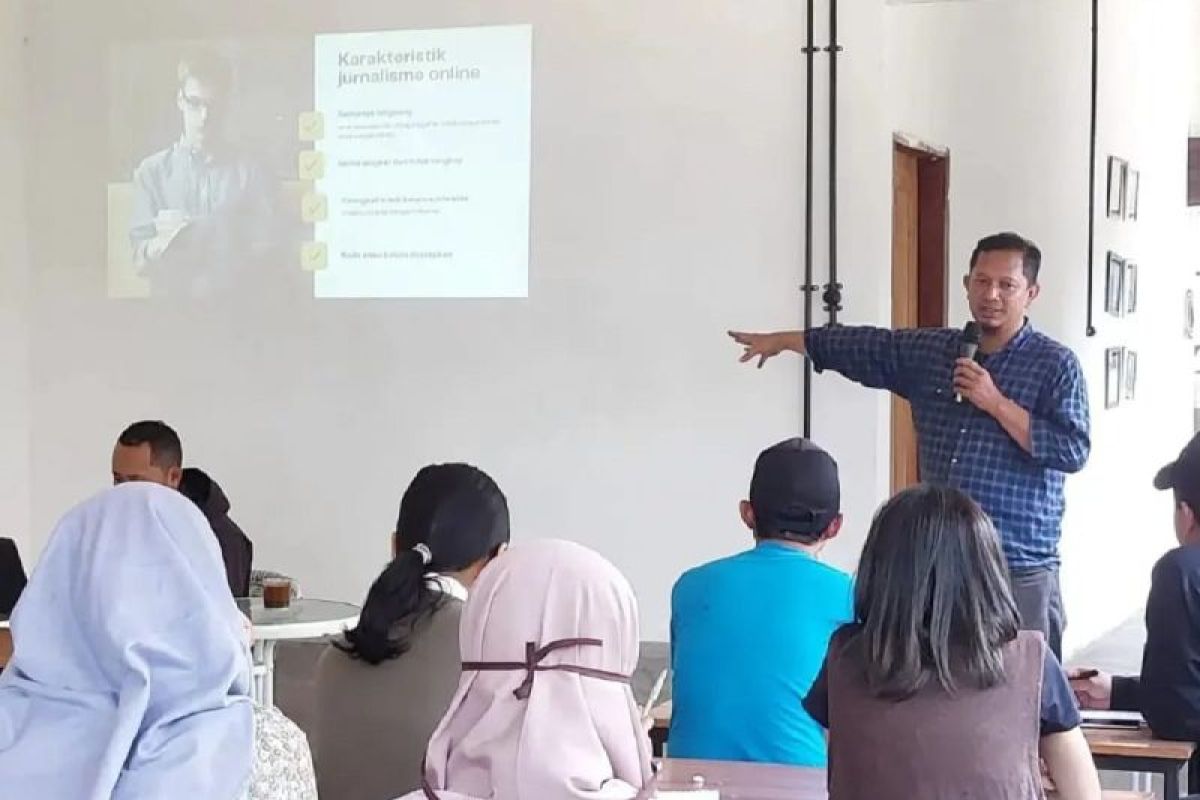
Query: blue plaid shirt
[[959, 445]]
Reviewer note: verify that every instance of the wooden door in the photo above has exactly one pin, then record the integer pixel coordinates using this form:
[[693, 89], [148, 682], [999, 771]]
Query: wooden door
[[905, 293]]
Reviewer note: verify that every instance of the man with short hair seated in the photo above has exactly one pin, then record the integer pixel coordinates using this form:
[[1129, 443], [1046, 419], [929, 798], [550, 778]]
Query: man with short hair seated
[[151, 451], [749, 632], [148, 451]]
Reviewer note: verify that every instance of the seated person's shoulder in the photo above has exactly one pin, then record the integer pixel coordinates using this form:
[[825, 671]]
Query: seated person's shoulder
[[834, 573], [441, 623], [450, 612], [692, 580], [708, 570], [845, 635], [845, 649], [1032, 643], [818, 573], [745, 567], [1179, 562], [708, 573], [433, 631]]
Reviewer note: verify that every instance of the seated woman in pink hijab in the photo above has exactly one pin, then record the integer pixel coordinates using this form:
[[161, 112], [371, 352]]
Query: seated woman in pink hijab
[[543, 710]]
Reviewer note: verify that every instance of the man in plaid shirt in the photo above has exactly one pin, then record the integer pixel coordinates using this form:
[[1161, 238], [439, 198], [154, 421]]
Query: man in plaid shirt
[[1021, 426]]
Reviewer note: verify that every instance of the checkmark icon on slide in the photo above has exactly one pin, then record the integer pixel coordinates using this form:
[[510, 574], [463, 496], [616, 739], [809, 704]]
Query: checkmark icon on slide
[[314, 256], [314, 207], [311, 165], [311, 126]]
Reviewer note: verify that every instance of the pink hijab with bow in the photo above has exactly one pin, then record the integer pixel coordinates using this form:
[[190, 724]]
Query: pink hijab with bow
[[544, 710]]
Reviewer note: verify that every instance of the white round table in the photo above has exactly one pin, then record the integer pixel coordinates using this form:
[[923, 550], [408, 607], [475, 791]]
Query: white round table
[[304, 619]]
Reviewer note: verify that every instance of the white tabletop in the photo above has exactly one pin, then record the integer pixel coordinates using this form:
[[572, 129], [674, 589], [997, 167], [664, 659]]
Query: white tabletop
[[305, 618]]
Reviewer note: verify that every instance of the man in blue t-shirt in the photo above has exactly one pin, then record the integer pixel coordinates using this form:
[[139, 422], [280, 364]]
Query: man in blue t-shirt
[[749, 632]]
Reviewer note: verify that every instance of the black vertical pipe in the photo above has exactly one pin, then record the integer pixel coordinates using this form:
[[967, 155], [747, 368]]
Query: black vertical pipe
[[833, 290], [809, 52], [1091, 235]]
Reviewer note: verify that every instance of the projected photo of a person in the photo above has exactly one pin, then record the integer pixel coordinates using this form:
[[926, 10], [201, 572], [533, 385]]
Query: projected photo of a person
[[202, 215]]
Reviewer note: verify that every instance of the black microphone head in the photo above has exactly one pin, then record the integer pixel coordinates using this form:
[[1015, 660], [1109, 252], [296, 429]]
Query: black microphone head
[[968, 344]]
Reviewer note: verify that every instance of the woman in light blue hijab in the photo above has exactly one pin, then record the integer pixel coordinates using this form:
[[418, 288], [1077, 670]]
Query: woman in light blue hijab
[[130, 676]]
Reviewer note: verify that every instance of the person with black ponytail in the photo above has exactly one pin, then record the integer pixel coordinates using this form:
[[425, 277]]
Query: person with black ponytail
[[382, 689]]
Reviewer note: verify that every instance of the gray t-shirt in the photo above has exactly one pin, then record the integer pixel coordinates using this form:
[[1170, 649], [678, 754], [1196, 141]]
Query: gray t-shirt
[[374, 722]]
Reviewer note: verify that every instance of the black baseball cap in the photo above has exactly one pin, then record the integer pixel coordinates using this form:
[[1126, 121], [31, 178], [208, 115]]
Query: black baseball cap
[[795, 490], [1183, 474]]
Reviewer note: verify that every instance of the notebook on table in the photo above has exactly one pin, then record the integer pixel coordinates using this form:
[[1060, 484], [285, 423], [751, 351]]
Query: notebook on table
[[1111, 719]]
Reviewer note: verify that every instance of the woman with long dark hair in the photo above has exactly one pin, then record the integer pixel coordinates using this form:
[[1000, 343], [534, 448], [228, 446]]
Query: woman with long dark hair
[[933, 692], [382, 690]]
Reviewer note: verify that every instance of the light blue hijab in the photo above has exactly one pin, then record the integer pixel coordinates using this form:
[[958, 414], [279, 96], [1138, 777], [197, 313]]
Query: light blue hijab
[[130, 677]]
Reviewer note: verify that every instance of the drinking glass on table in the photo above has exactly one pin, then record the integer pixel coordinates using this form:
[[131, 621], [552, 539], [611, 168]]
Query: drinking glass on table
[[277, 592]]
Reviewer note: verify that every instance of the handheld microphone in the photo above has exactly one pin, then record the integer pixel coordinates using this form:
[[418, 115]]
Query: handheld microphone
[[968, 346]]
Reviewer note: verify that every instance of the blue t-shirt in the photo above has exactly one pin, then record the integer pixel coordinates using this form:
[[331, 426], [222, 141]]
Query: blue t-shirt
[[748, 636]]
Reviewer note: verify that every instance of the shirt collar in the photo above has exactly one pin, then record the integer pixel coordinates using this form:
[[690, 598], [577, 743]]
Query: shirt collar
[[781, 547], [447, 586], [1017, 340]]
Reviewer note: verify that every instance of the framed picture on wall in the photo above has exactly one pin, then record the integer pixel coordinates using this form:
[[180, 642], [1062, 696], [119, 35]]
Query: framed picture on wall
[[1114, 362], [1129, 376], [1130, 288], [1114, 284], [1189, 314], [1116, 186], [1132, 178]]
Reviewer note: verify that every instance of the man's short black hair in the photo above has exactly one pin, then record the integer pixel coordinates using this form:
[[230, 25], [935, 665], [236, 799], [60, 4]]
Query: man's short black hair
[[1031, 256], [165, 448]]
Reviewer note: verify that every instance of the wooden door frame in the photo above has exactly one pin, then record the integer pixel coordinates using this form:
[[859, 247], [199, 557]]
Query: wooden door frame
[[920, 270]]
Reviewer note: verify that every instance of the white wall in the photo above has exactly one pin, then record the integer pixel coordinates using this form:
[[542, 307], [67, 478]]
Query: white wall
[[609, 405], [1004, 84], [1194, 127], [1146, 115], [14, 295], [667, 206]]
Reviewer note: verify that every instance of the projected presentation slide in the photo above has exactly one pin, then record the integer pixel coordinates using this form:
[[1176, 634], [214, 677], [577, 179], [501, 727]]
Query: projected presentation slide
[[389, 164]]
